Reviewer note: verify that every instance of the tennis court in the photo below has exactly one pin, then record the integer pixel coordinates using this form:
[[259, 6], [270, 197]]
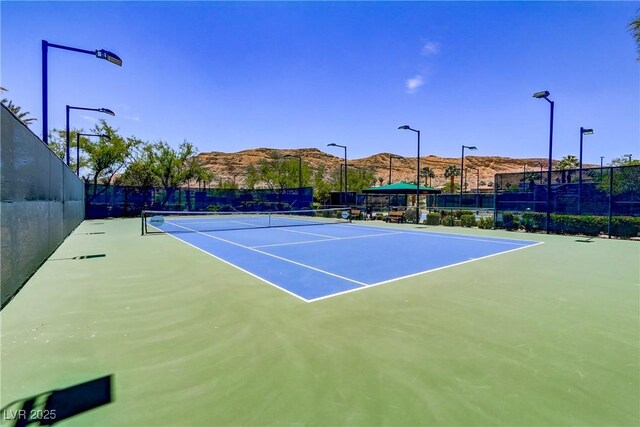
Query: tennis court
[[547, 335], [319, 254]]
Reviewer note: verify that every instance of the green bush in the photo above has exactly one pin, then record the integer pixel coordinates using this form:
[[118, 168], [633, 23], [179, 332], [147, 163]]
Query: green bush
[[458, 214], [486, 223], [510, 221], [432, 219], [457, 223], [533, 221], [467, 220], [448, 220], [578, 224], [625, 226]]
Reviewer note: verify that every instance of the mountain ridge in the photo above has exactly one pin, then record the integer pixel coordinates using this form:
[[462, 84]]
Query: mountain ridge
[[232, 166]]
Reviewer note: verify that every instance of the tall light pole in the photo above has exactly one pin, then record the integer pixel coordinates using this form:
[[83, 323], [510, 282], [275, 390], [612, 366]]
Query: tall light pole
[[98, 53], [78, 135], [391, 156], [545, 95], [462, 168], [407, 127], [346, 194], [583, 132], [601, 160], [101, 110], [299, 169]]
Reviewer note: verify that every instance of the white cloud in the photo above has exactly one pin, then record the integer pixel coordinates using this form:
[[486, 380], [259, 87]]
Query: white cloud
[[430, 48], [414, 83]]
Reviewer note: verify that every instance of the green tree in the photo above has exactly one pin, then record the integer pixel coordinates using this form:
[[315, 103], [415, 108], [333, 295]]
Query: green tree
[[277, 173], [568, 162], [321, 187], [427, 173], [451, 172], [106, 157], [138, 172], [58, 144], [359, 179], [634, 27], [23, 116]]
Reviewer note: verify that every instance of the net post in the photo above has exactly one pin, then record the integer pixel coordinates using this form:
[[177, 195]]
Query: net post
[[142, 223]]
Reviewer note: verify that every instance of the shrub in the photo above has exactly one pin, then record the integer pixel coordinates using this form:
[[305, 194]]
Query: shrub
[[486, 223], [468, 220], [410, 215], [458, 214], [447, 220], [625, 226], [578, 224], [457, 223], [432, 219], [510, 221], [533, 221]]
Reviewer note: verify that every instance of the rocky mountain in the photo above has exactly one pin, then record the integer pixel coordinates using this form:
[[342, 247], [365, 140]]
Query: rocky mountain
[[233, 166]]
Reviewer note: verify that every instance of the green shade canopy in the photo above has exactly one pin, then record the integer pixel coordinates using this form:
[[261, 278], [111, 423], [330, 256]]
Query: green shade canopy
[[401, 188]]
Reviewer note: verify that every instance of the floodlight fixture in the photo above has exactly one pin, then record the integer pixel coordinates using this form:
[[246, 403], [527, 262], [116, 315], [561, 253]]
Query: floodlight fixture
[[407, 127], [542, 94]]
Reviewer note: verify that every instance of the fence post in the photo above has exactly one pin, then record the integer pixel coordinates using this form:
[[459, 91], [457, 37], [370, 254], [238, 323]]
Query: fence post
[[495, 200], [610, 199]]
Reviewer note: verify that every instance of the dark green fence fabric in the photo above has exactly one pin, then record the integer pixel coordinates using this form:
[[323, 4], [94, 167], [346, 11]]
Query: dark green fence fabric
[[41, 202], [120, 201], [592, 201]]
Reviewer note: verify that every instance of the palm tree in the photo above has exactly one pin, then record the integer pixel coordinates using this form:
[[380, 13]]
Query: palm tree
[[634, 27], [427, 172], [451, 172], [566, 164], [15, 109]]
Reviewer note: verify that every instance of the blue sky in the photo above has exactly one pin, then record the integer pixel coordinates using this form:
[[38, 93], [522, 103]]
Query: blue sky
[[230, 76]]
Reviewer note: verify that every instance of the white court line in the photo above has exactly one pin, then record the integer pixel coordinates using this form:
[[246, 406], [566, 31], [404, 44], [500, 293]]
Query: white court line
[[275, 256], [326, 240], [303, 232], [458, 237], [424, 272]]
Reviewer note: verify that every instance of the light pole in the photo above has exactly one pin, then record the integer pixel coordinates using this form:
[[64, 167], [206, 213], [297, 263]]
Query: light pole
[[299, 169], [583, 131], [391, 156], [545, 95], [78, 135], [346, 194], [101, 53], [629, 156], [462, 169], [407, 127], [101, 110], [601, 160]]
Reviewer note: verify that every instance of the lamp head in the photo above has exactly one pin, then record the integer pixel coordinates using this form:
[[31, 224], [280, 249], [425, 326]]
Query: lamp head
[[331, 145], [586, 131], [473, 147], [109, 56], [404, 127], [105, 137], [543, 94], [107, 111]]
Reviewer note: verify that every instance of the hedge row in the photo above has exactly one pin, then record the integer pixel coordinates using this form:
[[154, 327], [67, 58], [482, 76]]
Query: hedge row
[[590, 225], [621, 226]]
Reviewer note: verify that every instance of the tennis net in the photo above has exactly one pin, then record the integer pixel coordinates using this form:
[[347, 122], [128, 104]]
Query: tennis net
[[154, 222]]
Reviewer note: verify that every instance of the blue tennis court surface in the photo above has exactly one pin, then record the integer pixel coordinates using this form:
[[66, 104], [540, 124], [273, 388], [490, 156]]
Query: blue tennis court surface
[[319, 261]]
